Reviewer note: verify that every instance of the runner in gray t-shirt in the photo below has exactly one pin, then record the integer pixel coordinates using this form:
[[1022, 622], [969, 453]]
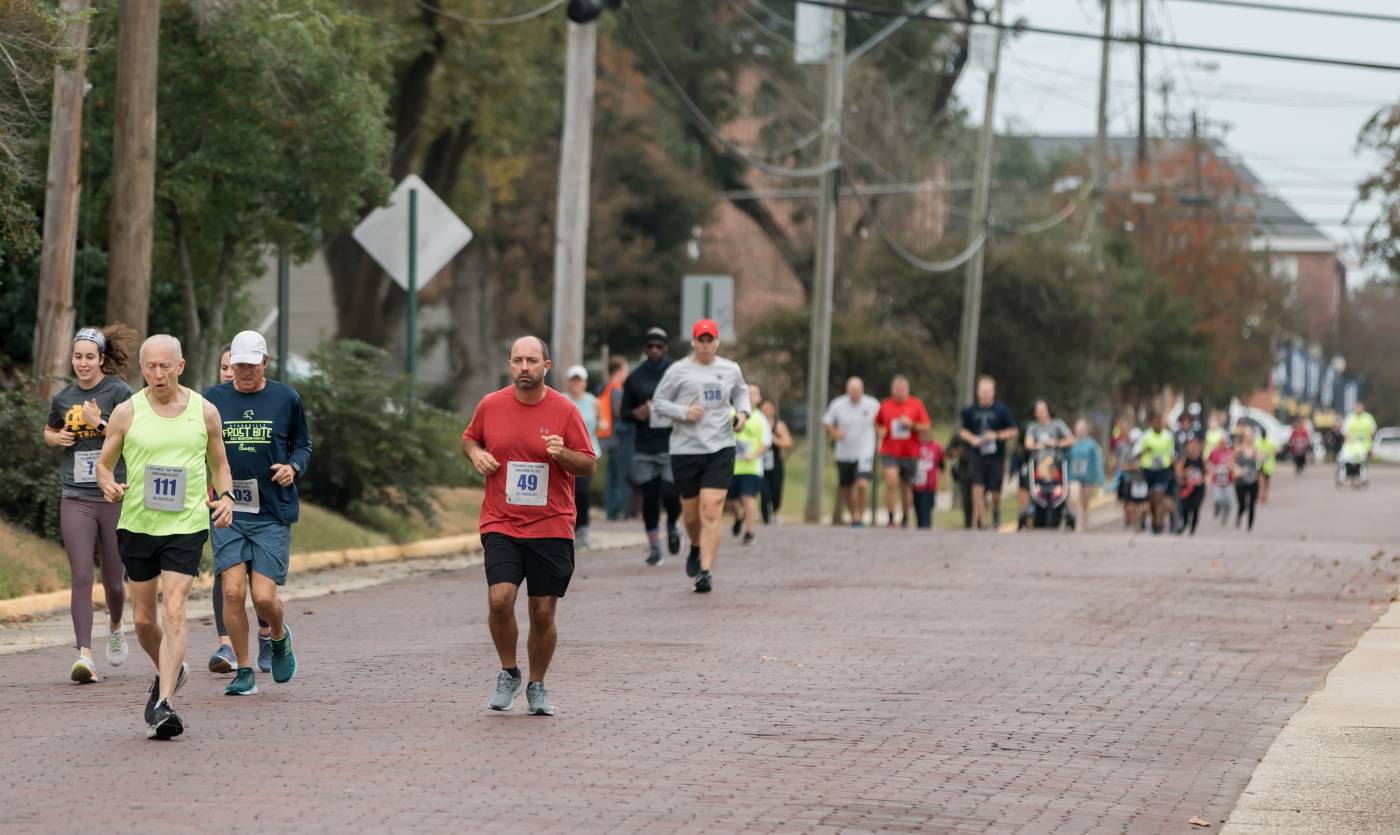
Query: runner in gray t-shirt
[[707, 401], [850, 422], [77, 423]]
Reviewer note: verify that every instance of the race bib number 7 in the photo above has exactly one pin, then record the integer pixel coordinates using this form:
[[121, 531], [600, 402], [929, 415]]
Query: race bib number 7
[[527, 483], [85, 466]]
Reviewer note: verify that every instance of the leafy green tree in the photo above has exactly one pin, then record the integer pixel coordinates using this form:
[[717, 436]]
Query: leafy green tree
[[268, 133], [29, 49], [1381, 134]]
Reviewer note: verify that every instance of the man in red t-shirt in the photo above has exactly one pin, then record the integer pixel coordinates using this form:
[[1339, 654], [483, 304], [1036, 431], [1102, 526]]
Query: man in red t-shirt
[[901, 419], [529, 442]]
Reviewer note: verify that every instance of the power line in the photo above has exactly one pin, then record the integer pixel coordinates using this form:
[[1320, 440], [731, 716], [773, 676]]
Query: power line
[[1276, 7], [494, 21], [1026, 28], [709, 127]]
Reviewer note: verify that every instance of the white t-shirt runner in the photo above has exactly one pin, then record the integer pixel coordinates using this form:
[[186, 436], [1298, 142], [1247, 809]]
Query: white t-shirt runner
[[857, 421]]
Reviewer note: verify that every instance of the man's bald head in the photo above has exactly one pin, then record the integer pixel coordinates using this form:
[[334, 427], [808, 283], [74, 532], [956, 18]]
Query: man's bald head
[[161, 344]]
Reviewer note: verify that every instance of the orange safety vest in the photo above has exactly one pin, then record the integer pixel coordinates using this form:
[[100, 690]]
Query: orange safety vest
[[605, 415]]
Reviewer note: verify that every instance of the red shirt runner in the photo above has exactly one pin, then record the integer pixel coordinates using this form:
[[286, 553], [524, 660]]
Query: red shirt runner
[[906, 446], [514, 432]]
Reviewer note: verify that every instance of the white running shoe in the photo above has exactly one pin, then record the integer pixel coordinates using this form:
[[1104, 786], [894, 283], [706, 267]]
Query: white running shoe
[[82, 671], [117, 650]]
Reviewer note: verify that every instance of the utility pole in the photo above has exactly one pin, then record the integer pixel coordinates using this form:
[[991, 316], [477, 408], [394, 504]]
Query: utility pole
[[53, 327], [819, 353], [134, 165], [1101, 139], [972, 285], [571, 212], [1142, 90]]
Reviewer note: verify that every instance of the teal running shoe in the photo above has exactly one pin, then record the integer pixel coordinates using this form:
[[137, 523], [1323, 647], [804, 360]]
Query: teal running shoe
[[243, 684], [284, 661]]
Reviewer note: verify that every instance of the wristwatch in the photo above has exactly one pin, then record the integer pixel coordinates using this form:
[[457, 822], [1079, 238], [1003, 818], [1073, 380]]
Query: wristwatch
[[102, 426], [228, 494]]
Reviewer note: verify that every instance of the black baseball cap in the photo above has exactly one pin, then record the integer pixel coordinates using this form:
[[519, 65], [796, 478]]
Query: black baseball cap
[[656, 335]]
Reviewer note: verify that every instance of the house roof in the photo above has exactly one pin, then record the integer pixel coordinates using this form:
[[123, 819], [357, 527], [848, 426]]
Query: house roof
[[1277, 221]]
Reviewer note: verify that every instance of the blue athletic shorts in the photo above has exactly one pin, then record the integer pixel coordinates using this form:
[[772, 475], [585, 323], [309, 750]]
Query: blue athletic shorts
[[265, 544]]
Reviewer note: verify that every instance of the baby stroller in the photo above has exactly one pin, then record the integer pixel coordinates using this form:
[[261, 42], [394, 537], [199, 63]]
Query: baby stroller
[[1351, 464], [1049, 490]]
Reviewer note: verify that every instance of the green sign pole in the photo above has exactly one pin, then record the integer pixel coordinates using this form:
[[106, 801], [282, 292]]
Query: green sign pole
[[410, 337]]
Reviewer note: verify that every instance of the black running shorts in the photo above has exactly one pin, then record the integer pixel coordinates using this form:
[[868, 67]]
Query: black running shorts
[[988, 472], [545, 565], [708, 471], [848, 471], [146, 556]]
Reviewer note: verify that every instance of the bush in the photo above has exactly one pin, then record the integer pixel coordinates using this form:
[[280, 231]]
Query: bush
[[366, 459], [30, 487]]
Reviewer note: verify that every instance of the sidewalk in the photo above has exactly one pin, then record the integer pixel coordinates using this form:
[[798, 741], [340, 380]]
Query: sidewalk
[[55, 629], [1334, 768]]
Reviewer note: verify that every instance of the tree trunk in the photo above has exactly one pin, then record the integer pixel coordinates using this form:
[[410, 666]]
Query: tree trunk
[[53, 327], [193, 331], [133, 165], [475, 359]]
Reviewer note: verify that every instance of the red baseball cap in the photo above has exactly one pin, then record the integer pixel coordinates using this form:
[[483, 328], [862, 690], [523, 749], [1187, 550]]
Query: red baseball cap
[[705, 326]]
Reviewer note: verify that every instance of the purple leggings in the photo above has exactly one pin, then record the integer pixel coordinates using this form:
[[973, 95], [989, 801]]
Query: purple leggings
[[89, 527]]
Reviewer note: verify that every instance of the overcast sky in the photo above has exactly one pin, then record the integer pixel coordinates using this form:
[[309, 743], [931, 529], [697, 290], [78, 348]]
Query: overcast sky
[[1295, 124]]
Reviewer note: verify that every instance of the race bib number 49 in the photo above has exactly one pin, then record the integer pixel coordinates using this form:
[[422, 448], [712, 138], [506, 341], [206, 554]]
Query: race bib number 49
[[163, 488], [527, 483]]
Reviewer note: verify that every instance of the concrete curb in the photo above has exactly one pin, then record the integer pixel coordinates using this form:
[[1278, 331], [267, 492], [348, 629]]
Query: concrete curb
[[1332, 767], [34, 605]]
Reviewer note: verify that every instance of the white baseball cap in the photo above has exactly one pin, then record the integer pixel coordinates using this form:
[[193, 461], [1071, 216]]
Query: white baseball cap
[[576, 371], [248, 347]]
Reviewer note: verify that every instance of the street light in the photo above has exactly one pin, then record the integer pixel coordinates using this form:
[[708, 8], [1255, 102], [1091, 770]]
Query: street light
[[587, 11]]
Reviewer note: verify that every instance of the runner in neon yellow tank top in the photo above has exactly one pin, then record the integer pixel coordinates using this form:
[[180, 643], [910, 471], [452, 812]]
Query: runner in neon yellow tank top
[[166, 434], [1158, 450]]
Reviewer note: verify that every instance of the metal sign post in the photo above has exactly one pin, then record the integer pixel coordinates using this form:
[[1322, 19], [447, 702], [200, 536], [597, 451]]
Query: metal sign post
[[411, 334]]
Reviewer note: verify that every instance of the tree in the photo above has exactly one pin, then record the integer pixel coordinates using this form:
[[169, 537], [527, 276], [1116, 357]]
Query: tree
[[270, 134], [1381, 134], [30, 34], [1370, 340]]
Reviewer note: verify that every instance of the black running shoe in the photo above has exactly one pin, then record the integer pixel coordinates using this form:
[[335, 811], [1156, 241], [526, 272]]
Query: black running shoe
[[748, 538], [673, 541], [703, 583], [164, 723], [692, 562], [738, 525], [151, 700]]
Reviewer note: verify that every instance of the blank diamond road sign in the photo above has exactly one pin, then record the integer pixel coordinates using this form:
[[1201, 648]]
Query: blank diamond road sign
[[441, 234]]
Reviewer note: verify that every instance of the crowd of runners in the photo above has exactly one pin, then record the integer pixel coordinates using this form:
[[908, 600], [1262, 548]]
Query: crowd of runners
[[150, 476]]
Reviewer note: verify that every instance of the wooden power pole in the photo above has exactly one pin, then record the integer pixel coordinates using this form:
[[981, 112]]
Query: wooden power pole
[[134, 165], [571, 215], [53, 326], [819, 351]]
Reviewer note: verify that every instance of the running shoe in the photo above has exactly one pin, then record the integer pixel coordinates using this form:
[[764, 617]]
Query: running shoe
[[749, 538], [82, 671], [654, 555], [117, 650], [284, 661], [673, 541], [154, 695], [539, 700], [704, 582], [223, 660], [265, 652], [581, 539], [243, 684], [692, 562], [164, 724], [507, 688], [738, 524]]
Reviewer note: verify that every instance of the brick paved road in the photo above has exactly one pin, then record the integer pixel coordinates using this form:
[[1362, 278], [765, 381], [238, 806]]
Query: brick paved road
[[835, 681]]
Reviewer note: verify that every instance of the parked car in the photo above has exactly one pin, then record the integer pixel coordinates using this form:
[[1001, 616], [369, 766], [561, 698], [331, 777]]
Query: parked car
[[1387, 445]]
